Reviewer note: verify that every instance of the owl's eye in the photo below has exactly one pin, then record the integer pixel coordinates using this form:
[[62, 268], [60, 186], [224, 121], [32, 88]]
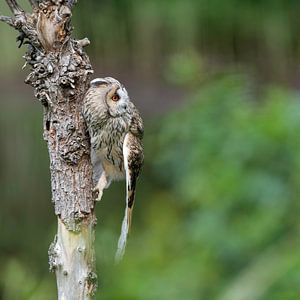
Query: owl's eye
[[115, 97]]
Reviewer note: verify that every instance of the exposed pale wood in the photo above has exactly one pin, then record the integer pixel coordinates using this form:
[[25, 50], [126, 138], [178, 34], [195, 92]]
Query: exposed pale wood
[[68, 256]]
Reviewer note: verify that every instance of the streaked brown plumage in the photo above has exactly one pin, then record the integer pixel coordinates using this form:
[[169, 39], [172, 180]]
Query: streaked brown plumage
[[116, 130]]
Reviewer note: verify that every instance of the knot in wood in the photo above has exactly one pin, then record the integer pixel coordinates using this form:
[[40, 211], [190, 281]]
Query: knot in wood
[[67, 82]]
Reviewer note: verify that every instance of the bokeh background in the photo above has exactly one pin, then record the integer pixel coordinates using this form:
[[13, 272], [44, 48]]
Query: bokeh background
[[217, 211]]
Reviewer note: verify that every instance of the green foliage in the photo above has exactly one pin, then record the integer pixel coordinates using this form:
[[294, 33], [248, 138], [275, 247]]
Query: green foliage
[[142, 35], [223, 203], [217, 206], [217, 209]]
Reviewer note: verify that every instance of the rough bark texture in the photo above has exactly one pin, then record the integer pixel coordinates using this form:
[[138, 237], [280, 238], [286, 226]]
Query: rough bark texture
[[59, 73]]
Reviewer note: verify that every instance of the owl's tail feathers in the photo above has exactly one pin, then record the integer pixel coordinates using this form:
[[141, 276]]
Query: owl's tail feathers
[[133, 159], [126, 225], [122, 241], [130, 204]]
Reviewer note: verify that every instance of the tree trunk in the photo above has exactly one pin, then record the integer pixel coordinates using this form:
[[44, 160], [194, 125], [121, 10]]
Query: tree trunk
[[59, 73]]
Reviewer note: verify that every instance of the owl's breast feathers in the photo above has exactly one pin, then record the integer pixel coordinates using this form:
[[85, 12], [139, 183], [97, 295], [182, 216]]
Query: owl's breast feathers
[[107, 141], [107, 133], [116, 131]]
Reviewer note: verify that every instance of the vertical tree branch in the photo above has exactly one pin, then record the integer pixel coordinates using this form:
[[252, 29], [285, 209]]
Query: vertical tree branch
[[59, 73], [14, 7]]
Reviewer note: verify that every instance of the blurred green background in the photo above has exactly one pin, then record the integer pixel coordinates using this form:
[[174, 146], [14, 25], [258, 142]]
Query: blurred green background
[[217, 211]]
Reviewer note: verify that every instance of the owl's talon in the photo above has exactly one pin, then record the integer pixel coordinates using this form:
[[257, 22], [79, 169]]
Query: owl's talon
[[97, 194]]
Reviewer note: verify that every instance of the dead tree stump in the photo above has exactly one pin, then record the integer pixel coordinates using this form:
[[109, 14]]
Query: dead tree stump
[[60, 73]]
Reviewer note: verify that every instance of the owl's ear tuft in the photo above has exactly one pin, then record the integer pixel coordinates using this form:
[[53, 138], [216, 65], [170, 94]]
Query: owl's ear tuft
[[98, 82]]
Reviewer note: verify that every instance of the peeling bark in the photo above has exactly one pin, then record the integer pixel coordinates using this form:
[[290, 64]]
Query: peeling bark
[[59, 73], [68, 257]]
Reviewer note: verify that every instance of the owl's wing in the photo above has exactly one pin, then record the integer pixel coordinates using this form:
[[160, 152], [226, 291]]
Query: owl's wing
[[133, 160], [136, 125]]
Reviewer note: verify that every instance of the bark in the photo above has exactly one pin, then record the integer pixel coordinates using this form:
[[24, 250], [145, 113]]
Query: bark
[[59, 73]]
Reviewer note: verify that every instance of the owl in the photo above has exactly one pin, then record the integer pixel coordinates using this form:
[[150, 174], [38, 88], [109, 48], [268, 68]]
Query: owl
[[116, 131]]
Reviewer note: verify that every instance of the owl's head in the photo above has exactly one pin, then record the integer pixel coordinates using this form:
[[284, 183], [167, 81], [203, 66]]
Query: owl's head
[[114, 95]]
